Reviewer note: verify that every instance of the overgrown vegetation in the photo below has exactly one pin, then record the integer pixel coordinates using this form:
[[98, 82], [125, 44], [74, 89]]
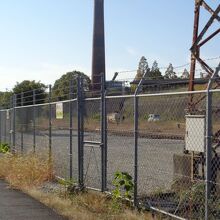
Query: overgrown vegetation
[[192, 200], [123, 184], [25, 171], [123, 189], [32, 173], [4, 148], [87, 206]]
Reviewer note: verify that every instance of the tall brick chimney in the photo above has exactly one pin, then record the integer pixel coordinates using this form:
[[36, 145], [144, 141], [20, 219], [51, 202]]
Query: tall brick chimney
[[98, 51]]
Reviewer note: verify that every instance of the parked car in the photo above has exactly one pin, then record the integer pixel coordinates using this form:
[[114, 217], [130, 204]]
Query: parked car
[[153, 117]]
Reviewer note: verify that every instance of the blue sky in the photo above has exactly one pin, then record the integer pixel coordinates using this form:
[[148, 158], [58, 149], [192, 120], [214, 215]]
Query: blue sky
[[43, 39]]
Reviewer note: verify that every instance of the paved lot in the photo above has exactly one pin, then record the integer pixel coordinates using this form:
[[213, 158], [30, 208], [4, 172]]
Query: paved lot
[[155, 158], [15, 205]]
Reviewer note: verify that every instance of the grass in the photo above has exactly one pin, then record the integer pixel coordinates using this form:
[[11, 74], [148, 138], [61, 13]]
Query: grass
[[25, 171], [87, 206], [30, 172]]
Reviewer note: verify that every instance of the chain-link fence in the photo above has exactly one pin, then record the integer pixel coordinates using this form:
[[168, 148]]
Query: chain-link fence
[[164, 141]]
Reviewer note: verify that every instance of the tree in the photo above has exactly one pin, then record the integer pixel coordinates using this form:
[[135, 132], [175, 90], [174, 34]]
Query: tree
[[143, 68], [185, 74], [5, 99], [170, 74], [61, 86], [27, 88], [155, 71], [25, 96]]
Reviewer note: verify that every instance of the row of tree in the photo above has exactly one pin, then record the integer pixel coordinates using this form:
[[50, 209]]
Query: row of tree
[[26, 90], [154, 72]]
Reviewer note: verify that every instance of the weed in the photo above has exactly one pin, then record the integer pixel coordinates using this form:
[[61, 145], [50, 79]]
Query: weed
[[87, 206], [23, 171], [4, 148], [124, 186]]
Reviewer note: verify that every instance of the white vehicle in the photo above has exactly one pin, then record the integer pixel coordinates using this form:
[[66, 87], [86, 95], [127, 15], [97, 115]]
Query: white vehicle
[[153, 117]]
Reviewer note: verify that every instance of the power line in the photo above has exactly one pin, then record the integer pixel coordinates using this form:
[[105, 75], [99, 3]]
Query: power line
[[176, 67]]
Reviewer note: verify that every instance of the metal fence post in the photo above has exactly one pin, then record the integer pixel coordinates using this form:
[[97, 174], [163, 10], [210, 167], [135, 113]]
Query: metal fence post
[[22, 125], [10, 120], [78, 129], [14, 121], [80, 114], [105, 138], [136, 116], [208, 150], [71, 130], [5, 128], [50, 125], [0, 126], [34, 122], [103, 135], [209, 142], [135, 148]]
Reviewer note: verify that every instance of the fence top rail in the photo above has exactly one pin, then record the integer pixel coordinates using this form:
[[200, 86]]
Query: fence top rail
[[120, 96], [47, 103], [162, 94]]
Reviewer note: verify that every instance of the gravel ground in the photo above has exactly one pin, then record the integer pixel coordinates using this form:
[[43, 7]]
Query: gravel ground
[[155, 156]]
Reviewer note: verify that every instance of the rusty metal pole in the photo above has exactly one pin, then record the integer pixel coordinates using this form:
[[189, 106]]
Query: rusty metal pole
[[98, 52], [194, 50]]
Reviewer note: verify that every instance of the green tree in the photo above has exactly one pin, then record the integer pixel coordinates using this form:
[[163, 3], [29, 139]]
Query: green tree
[[143, 68], [170, 74], [61, 86], [5, 99], [28, 88], [155, 71], [185, 74]]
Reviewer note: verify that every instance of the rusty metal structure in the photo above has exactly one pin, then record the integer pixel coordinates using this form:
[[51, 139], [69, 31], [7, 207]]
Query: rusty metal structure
[[98, 51], [199, 40], [202, 36]]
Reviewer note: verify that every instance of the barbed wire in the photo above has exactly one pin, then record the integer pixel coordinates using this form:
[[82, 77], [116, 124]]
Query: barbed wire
[[175, 67], [44, 89]]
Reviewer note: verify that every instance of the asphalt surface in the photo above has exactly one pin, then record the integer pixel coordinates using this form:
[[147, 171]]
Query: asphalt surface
[[15, 205], [155, 158]]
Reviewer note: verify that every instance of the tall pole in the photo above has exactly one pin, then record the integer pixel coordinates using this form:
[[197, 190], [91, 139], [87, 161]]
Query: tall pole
[[209, 134], [34, 120], [98, 51], [14, 121], [71, 130], [50, 125], [195, 36]]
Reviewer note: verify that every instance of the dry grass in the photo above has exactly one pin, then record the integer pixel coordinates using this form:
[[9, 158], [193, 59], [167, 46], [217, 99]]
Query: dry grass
[[87, 206], [25, 171], [29, 172]]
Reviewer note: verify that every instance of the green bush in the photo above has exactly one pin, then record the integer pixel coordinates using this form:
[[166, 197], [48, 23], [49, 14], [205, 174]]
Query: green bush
[[123, 184], [4, 148]]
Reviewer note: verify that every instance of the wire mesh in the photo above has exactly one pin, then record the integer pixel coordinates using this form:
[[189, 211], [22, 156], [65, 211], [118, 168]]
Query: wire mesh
[[120, 120], [92, 133], [5, 132], [172, 170], [214, 197], [24, 129], [171, 146]]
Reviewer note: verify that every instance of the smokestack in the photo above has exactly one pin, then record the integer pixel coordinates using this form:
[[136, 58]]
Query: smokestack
[[98, 51]]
